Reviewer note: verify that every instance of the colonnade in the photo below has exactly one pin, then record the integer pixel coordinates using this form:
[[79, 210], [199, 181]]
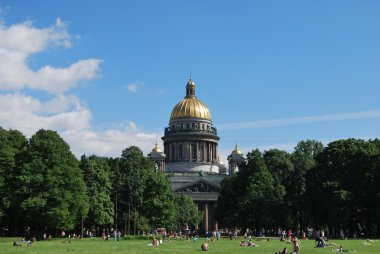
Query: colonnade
[[209, 221], [199, 151]]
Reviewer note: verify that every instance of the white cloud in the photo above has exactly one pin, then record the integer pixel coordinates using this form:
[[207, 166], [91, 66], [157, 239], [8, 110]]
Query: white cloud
[[68, 116], [19, 41], [133, 87], [28, 114], [300, 120], [64, 113], [108, 142]]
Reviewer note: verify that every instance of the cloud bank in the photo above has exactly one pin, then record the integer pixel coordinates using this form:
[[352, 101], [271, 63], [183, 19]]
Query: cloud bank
[[65, 113], [19, 41]]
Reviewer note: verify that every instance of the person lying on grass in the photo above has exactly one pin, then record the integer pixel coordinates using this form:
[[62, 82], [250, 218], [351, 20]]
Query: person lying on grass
[[340, 249], [248, 243]]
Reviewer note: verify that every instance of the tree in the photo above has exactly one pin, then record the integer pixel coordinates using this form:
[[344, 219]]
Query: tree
[[263, 197], [133, 168], [97, 176], [343, 185], [303, 159], [51, 189], [12, 144], [227, 212], [282, 169], [251, 198], [149, 196], [188, 215], [159, 206]]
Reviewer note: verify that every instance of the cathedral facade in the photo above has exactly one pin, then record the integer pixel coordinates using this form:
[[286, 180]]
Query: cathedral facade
[[190, 156]]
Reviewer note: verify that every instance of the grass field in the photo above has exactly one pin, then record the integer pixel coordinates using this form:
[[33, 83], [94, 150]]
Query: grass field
[[97, 246]]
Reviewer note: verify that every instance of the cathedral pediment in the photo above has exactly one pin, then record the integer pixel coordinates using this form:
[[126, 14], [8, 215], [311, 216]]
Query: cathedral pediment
[[198, 187]]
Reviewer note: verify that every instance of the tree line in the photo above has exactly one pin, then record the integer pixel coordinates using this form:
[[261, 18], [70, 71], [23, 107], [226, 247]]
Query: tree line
[[44, 188], [335, 188]]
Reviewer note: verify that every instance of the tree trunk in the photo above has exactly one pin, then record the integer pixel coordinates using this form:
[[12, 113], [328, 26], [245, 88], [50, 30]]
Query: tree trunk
[[129, 218]]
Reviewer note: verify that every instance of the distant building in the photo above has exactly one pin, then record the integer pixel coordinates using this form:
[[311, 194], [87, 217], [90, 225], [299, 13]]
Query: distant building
[[191, 158]]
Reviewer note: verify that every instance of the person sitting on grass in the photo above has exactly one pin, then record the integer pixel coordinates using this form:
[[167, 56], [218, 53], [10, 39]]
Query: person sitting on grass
[[319, 242], [154, 242], [296, 245], [204, 247], [251, 244]]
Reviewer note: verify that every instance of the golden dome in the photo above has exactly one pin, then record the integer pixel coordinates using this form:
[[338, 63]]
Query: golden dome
[[156, 149], [190, 106], [236, 150]]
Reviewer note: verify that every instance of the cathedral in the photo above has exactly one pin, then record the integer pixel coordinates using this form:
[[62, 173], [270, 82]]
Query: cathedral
[[190, 156]]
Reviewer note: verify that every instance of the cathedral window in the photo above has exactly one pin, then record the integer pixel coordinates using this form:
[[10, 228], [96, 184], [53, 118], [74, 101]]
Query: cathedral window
[[193, 152], [187, 152], [207, 152], [201, 152], [173, 153], [180, 152]]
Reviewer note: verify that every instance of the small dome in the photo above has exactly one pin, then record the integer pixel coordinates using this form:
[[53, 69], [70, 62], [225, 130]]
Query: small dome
[[190, 83], [156, 149], [236, 150]]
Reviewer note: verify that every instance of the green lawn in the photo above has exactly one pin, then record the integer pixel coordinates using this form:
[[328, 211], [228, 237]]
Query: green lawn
[[96, 245]]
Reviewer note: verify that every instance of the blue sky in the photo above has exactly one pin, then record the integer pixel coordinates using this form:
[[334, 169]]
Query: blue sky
[[106, 74]]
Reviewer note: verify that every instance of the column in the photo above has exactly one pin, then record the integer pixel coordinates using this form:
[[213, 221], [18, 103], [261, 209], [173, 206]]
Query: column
[[206, 217], [190, 152], [169, 152], [197, 151]]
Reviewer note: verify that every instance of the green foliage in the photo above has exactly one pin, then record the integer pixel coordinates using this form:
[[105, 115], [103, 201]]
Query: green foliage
[[51, 190], [282, 169], [188, 215], [12, 145], [148, 194], [343, 186], [250, 198], [42, 186], [97, 176], [158, 205]]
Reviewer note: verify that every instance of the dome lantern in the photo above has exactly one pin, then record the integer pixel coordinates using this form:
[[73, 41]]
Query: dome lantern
[[190, 88]]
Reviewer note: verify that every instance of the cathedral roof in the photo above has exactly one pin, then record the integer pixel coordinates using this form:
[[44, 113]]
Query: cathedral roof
[[236, 150], [190, 106], [156, 149]]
